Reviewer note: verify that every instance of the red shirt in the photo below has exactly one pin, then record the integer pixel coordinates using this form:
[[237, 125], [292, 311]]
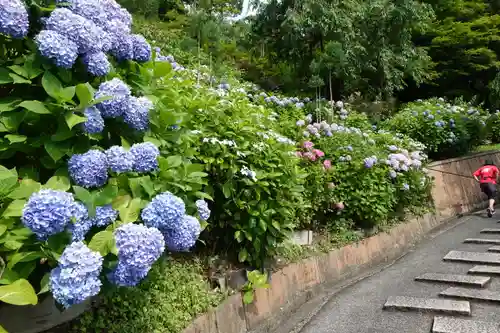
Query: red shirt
[[487, 174]]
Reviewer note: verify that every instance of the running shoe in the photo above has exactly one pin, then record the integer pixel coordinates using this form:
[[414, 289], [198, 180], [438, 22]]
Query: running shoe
[[490, 212]]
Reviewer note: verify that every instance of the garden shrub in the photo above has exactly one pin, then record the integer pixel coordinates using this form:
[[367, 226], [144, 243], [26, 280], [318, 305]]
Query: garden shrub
[[446, 130], [493, 127], [174, 293]]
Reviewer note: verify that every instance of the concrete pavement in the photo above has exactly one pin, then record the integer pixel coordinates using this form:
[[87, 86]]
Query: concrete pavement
[[359, 307]]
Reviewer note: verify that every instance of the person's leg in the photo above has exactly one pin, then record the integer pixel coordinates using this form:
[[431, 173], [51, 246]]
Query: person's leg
[[492, 196]]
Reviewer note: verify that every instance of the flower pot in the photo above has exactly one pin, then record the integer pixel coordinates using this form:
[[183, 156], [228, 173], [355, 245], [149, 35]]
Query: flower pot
[[38, 318]]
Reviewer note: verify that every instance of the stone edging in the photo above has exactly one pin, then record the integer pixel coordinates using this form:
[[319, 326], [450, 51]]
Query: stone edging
[[296, 283], [467, 157]]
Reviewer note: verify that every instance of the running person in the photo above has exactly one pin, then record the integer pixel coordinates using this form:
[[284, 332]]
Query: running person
[[487, 177]]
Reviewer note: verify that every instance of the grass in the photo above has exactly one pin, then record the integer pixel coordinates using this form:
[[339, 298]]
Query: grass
[[495, 146]]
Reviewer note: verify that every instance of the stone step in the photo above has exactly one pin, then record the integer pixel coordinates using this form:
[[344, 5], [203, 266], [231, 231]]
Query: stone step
[[427, 304], [473, 257], [472, 294], [482, 241], [491, 231], [471, 280], [487, 270], [457, 325], [495, 248]]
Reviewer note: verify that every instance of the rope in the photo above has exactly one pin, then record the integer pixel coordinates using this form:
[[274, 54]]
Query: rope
[[451, 173]]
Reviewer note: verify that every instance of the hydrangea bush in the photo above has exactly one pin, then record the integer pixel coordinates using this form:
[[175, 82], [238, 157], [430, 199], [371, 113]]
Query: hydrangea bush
[[445, 129]]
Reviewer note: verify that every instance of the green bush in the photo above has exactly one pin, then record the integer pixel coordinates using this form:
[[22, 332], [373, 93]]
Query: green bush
[[174, 293], [493, 127], [446, 130]]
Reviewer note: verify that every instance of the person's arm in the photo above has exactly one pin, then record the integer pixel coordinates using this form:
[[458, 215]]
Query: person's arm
[[476, 174]]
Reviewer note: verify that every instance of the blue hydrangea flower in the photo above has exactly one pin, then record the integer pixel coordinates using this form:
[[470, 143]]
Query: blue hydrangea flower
[[90, 9], [203, 210], [77, 276], [123, 47], [138, 248], [184, 236], [47, 212], [119, 160], [57, 48], [406, 187], [165, 211], [145, 156], [119, 102], [14, 21], [89, 169], [137, 116], [104, 216], [142, 49], [370, 161], [94, 123], [97, 63], [393, 174], [81, 224], [84, 33]]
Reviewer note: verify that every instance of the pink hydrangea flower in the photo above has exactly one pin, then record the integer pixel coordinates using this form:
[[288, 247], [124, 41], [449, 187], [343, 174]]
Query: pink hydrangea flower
[[318, 152], [298, 153], [310, 156], [327, 164], [308, 145], [339, 205]]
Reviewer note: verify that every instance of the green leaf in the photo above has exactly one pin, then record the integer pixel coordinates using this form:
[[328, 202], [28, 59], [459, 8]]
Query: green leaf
[[204, 195], [68, 93], [243, 255], [174, 161], [60, 183], [9, 104], [121, 201], [4, 76], [162, 68], [19, 71], [8, 276], [102, 242], [13, 245], [226, 190], [16, 79], [130, 213], [44, 284], [72, 119], [107, 195], [85, 94], [52, 85], [35, 107], [147, 185], [20, 292], [26, 188], [3, 330], [125, 143], [15, 209], [238, 236], [8, 180], [262, 224], [248, 297], [3, 229], [55, 150], [23, 257], [16, 138], [82, 194], [10, 121], [135, 187]]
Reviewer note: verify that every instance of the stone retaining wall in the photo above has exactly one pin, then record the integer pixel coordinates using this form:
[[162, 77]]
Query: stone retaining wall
[[455, 193]]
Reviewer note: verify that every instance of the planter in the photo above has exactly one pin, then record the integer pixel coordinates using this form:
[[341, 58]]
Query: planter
[[38, 318]]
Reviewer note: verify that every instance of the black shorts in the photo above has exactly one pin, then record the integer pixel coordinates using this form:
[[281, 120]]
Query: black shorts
[[489, 189]]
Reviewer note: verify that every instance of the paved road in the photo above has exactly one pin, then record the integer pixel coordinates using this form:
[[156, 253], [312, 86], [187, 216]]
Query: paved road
[[358, 308]]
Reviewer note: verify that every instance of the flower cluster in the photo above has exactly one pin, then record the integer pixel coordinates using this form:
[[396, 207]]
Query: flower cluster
[[90, 28], [14, 21], [121, 103], [91, 168], [245, 171], [203, 210], [167, 213], [104, 215], [138, 249], [170, 59], [77, 276], [312, 154], [48, 212]]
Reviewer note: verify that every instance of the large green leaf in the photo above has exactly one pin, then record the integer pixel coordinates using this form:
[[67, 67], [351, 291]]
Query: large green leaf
[[102, 242], [23, 257], [35, 106], [9, 103], [3, 330], [72, 119], [15, 209], [8, 180], [20, 292], [25, 189], [130, 213], [16, 138], [85, 94], [52, 85], [55, 150], [44, 284], [4, 76]]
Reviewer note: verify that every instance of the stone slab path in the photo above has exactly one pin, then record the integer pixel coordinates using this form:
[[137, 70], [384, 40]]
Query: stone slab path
[[449, 283]]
